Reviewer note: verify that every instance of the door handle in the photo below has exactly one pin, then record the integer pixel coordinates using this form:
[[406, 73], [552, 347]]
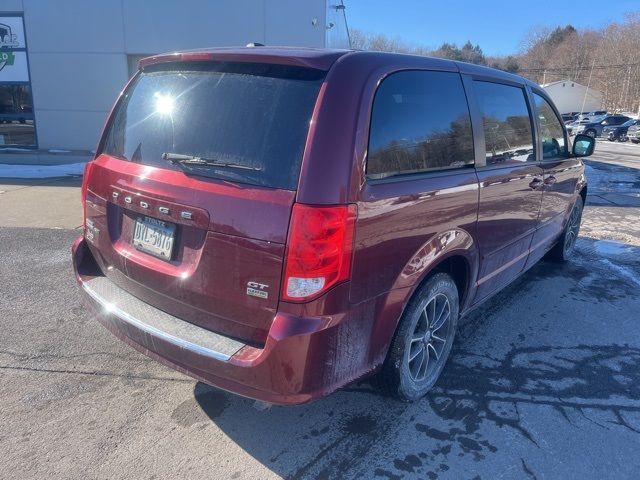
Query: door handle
[[535, 183], [550, 180]]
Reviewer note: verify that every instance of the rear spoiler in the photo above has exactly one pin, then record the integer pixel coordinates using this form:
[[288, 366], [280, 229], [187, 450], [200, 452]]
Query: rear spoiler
[[295, 57]]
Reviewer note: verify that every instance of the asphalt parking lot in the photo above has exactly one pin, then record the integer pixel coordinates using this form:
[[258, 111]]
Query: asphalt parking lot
[[543, 381]]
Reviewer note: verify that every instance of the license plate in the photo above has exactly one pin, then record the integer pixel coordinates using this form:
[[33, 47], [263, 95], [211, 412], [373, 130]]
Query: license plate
[[154, 236]]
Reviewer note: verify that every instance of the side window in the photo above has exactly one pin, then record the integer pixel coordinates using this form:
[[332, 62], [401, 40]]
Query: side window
[[551, 132], [420, 122], [507, 126]]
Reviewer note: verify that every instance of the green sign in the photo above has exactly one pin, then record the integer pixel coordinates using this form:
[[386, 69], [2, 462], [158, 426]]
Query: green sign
[[7, 58]]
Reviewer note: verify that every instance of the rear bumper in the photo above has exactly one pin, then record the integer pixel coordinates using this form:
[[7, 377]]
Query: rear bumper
[[304, 358]]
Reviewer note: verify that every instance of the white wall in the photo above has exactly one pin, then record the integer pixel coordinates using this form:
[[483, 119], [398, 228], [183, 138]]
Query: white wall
[[78, 48], [569, 97], [78, 66], [336, 22], [167, 25]]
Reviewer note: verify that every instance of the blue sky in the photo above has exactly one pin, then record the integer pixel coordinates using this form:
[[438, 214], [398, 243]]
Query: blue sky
[[497, 25]]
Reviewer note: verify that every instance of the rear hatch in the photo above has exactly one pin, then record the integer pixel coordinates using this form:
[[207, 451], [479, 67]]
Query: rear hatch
[[189, 198]]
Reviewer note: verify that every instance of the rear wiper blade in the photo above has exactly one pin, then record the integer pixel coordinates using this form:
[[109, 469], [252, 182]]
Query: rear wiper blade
[[180, 159]]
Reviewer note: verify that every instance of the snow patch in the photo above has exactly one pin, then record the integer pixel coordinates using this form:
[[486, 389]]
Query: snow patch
[[41, 171], [610, 247]]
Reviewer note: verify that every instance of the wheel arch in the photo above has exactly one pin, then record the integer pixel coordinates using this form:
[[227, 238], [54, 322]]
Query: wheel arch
[[454, 251], [583, 193], [458, 267], [458, 257]]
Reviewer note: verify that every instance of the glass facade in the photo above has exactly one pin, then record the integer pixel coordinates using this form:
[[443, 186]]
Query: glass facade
[[17, 123]]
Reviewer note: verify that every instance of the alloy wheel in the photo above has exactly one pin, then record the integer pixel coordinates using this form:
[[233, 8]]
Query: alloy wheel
[[429, 338], [573, 228]]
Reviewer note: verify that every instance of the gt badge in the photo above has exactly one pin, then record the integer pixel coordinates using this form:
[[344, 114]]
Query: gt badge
[[256, 289]]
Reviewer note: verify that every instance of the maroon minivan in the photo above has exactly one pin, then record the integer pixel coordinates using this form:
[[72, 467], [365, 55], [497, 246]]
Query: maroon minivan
[[281, 222]]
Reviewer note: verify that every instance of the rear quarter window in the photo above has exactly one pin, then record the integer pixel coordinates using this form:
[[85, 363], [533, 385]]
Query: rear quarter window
[[255, 117], [419, 123]]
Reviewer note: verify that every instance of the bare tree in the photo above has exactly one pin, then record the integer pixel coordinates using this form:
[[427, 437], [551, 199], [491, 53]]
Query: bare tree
[[608, 58], [377, 42]]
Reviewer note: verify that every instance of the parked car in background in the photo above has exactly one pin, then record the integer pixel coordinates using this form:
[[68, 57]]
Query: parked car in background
[[570, 126], [591, 115], [568, 118], [584, 119], [594, 128], [281, 222], [633, 133], [633, 115], [618, 132]]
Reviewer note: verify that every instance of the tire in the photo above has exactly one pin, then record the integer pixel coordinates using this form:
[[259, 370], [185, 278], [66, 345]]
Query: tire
[[407, 379], [635, 140], [591, 133], [563, 249]]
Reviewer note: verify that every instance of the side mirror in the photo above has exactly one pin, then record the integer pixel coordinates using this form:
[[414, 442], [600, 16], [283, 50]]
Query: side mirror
[[583, 145]]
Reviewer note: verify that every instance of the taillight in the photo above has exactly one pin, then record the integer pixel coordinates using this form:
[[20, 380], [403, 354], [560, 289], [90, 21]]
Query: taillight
[[319, 249], [83, 190]]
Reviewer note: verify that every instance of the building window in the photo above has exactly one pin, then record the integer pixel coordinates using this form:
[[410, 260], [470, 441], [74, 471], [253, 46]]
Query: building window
[[17, 123]]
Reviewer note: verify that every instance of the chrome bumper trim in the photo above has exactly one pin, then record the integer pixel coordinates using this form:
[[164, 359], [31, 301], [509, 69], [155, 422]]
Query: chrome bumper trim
[[157, 323]]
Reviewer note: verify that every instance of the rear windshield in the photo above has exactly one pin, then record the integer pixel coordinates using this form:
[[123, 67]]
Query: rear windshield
[[253, 118]]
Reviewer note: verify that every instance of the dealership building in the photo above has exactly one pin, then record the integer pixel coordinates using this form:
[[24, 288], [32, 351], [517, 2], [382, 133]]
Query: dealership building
[[63, 63], [570, 96]]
